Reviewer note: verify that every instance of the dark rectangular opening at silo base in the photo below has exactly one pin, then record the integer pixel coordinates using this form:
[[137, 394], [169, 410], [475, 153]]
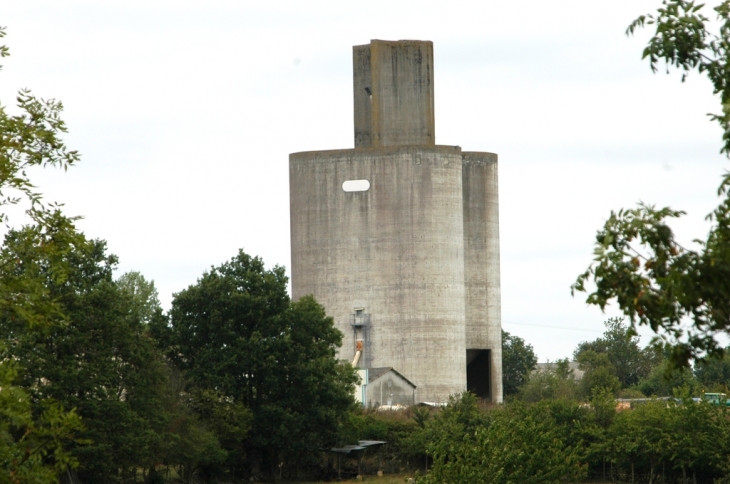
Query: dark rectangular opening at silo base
[[478, 372]]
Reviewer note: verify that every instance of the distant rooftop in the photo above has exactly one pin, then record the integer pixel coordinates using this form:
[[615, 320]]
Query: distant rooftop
[[573, 365]]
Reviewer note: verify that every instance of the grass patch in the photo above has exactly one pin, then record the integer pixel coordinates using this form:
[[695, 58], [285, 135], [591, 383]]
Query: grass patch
[[386, 479]]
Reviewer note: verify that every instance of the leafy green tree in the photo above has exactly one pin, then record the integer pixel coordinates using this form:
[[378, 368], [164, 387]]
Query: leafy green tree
[[32, 450], [229, 420], [670, 438], [697, 432], [521, 444], [237, 332], [683, 38], [145, 302], [32, 443], [555, 381], [664, 379], [638, 262], [518, 360], [193, 450], [99, 361], [595, 429], [628, 361], [29, 139], [599, 373], [404, 435], [191, 444], [639, 437], [461, 416], [714, 374]]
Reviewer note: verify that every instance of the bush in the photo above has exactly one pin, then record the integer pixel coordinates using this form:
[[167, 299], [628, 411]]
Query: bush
[[554, 382], [403, 450], [520, 443]]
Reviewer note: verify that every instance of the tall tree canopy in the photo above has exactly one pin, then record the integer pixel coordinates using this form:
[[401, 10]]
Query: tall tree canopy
[[237, 332], [32, 439], [714, 374], [518, 360], [143, 294], [99, 361], [629, 362], [638, 262]]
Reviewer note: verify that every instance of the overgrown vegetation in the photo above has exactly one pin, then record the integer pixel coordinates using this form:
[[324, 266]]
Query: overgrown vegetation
[[616, 363], [554, 440], [625, 414]]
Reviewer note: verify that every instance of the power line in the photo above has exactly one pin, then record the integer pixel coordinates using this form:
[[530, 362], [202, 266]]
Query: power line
[[553, 327]]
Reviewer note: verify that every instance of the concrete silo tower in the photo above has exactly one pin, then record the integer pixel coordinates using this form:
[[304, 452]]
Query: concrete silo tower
[[398, 238]]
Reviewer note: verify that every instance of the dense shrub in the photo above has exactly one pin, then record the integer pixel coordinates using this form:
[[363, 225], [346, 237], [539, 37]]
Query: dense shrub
[[675, 440], [519, 443]]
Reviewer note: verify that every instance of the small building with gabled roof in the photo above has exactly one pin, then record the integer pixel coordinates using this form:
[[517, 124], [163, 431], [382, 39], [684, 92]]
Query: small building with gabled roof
[[385, 387]]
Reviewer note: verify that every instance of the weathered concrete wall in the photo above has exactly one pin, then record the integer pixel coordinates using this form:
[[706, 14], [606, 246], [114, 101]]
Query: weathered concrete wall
[[362, 82], [395, 250], [481, 261], [393, 93]]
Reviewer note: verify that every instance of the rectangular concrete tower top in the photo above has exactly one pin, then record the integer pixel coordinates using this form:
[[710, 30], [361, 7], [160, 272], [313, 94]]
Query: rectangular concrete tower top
[[393, 93]]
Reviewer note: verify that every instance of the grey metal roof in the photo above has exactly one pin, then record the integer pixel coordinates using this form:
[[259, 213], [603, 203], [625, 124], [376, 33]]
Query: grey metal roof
[[370, 443], [375, 373], [347, 449]]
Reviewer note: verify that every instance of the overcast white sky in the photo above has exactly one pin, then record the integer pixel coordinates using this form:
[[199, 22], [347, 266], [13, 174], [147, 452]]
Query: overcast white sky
[[185, 113]]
